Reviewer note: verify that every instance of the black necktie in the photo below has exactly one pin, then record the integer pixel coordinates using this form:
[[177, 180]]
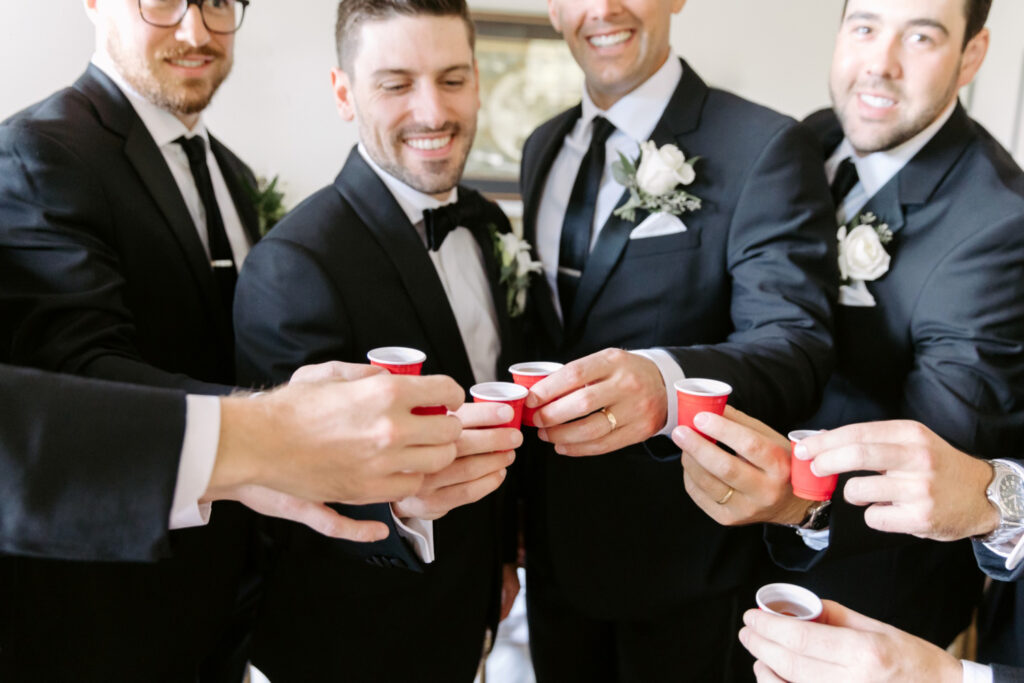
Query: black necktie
[[579, 217], [222, 260], [846, 178], [470, 210]]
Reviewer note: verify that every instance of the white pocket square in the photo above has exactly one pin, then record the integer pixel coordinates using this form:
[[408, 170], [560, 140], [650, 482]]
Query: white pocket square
[[856, 294], [657, 225]]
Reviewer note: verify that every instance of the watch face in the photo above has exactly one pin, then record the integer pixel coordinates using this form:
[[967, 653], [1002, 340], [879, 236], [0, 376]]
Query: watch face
[[1011, 496]]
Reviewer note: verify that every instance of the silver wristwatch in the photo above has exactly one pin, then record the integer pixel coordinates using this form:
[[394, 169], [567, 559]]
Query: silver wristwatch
[[816, 518], [1006, 493]]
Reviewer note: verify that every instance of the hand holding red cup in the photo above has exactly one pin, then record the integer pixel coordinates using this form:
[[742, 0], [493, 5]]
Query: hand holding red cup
[[806, 484], [528, 374], [502, 392], [698, 395], [402, 360]]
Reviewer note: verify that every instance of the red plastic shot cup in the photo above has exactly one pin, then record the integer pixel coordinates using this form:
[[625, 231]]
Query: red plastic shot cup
[[700, 396], [788, 600], [528, 374], [502, 392], [805, 483], [401, 360]]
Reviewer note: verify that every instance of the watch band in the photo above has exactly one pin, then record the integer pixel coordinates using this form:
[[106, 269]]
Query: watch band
[[1009, 525]]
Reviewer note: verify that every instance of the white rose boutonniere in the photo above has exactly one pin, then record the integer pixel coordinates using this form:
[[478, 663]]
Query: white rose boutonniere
[[513, 254], [654, 181], [862, 257]]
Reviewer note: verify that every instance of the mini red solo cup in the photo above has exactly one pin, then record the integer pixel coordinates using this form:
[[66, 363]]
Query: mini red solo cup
[[788, 600], [528, 374], [502, 392], [401, 360], [700, 396], [805, 483], [398, 360]]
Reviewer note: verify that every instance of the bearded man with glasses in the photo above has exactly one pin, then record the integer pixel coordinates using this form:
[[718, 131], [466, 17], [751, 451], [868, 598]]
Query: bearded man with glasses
[[123, 224]]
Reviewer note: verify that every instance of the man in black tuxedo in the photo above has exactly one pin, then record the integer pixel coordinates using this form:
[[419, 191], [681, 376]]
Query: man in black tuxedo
[[122, 222], [966, 497], [627, 580], [382, 258], [64, 442], [930, 329]]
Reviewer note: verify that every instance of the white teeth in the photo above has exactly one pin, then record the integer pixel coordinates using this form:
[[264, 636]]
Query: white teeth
[[874, 101], [428, 144], [188, 63], [609, 40]]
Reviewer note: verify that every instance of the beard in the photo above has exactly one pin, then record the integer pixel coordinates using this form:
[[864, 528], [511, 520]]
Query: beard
[[188, 96], [438, 176], [895, 135]]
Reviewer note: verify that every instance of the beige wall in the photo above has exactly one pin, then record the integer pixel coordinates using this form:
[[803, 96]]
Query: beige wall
[[276, 110]]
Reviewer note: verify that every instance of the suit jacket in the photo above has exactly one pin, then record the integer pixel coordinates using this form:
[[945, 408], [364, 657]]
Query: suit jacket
[[945, 346], [741, 296], [102, 273], [61, 452], [343, 273]]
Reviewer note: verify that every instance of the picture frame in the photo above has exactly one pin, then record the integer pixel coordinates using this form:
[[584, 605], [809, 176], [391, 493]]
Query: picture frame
[[527, 75]]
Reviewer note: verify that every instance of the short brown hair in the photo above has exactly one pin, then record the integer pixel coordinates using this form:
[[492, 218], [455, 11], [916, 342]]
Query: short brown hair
[[976, 12], [352, 14]]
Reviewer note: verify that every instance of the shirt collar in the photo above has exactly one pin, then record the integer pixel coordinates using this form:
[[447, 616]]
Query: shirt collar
[[163, 126], [412, 201], [637, 113], [878, 168]]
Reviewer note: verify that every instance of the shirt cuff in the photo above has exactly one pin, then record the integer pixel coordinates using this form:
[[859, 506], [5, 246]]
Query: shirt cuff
[[419, 532], [976, 673], [1012, 550], [670, 373], [198, 454], [815, 540]]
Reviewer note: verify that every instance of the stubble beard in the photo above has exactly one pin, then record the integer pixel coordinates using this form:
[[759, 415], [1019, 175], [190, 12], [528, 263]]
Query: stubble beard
[[890, 138], [438, 177], [189, 97]]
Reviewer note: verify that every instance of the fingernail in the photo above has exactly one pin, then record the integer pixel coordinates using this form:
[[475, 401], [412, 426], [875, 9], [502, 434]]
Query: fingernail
[[800, 451], [532, 401], [542, 434], [814, 468], [748, 617], [701, 420], [506, 412], [511, 457]]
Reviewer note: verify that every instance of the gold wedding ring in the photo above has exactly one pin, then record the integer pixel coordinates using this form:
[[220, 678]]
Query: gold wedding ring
[[611, 418], [725, 499]]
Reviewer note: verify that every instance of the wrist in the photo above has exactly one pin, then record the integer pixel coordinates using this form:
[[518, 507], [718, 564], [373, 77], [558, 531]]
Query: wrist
[[238, 461], [984, 515], [794, 512]]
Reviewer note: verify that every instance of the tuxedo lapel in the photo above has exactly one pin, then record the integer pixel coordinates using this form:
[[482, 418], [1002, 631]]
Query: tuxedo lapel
[[534, 179], [682, 115], [377, 208], [145, 157], [236, 177]]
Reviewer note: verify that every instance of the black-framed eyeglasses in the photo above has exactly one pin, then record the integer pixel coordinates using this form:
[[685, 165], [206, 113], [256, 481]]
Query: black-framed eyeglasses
[[219, 16]]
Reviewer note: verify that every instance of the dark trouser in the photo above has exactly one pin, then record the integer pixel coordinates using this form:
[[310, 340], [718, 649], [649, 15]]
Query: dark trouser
[[697, 642]]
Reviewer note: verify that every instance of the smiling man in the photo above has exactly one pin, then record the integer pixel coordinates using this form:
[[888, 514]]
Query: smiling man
[[394, 252], [627, 580], [930, 328], [122, 222]]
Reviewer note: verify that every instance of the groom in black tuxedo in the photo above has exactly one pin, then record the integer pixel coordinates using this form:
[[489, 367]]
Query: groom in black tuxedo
[[122, 222], [628, 580], [386, 256]]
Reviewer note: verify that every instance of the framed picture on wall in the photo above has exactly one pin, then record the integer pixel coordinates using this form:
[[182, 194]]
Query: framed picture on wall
[[527, 75], [1018, 121]]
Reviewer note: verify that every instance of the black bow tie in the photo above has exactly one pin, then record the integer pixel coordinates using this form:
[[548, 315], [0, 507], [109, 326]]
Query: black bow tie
[[469, 211]]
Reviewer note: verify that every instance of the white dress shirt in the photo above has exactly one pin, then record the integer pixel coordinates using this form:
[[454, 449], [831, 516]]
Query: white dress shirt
[[635, 117]]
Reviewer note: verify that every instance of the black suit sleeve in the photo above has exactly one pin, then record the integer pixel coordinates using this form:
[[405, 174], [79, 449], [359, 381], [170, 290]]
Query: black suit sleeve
[[63, 283], [280, 327], [87, 468], [782, 264], [1007, 674]]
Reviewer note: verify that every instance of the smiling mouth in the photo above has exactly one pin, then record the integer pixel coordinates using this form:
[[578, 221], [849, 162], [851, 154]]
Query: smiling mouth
[[429, 144], [190, 63], [610, 39], [877, 101]]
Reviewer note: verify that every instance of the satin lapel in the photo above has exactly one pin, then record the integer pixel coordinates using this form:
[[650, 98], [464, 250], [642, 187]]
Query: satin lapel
[[533, 180], [236, 177], [681, 116], [145, 157], [887, 206], [374, 204]]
